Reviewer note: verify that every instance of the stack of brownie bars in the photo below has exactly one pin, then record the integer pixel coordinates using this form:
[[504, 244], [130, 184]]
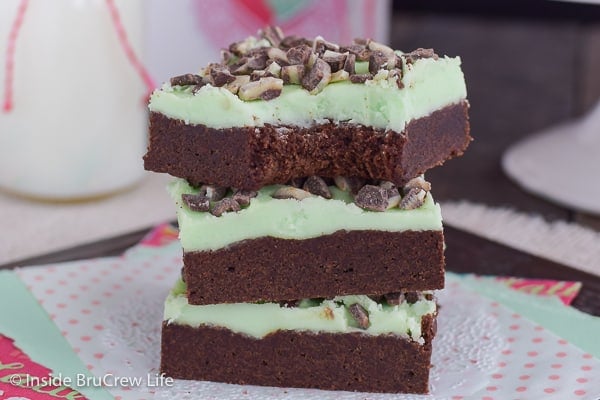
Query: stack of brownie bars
[[311, 242]]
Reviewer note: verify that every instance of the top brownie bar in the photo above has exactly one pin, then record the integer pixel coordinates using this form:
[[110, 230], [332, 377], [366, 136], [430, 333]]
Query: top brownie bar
[[280, 107]]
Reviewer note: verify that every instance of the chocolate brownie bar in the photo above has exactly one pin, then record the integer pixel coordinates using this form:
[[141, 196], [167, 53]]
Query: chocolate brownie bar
[[275, 110], [275, 247], [338, 349], [251, 157]]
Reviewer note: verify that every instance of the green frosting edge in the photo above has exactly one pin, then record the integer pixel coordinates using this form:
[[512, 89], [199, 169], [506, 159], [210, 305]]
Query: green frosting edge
[[259, 319], [292, 219], [429, 85]]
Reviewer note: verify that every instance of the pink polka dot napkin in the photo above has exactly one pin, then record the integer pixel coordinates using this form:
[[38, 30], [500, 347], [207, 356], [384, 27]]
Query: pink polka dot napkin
[[110, 311]]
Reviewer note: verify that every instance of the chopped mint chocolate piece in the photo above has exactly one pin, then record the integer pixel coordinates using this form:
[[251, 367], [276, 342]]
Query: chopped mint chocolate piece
[[361, 316], [420, 53], [349, 184], [393, 299], [186, 80], [360, 78], [372, 198], [317, 185], [273, 34], [299, 54], [213, 192], [225, 205], [294, 41], [243, 196], [290, 192], [413, 199], [292, 74], [377, 61], [257, 89], [350, 63], [334, 59], [359, 51], [318, 77], [220, 75], [196, 202]]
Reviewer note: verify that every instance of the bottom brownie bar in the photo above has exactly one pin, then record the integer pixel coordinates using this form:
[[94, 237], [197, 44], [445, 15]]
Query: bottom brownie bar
[[353, 360]]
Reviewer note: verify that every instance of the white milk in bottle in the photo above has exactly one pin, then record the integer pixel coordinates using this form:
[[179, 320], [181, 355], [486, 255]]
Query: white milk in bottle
[[73, 120]]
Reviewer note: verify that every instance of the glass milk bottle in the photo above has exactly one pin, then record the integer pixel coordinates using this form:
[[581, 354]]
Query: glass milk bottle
[[73, 120]]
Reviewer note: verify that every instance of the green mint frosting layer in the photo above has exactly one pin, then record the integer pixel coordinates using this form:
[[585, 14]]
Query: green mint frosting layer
[[429, 85], [258, 320], [292, 219]]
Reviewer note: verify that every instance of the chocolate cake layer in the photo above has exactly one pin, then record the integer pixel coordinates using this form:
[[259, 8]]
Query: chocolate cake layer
[[250, 157], [343, 263], [348, 361]]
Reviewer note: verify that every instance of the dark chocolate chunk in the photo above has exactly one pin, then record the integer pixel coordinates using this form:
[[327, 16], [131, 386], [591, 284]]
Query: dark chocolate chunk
[[393, 299], [372, 198], [225, 205], [411, 297], [361, 316], [186, 80], [318, 76], [273, 34], [299, 54], [428, 296], [243, 196], [196, 202], [316, 185], [377, 61], [360, 78]]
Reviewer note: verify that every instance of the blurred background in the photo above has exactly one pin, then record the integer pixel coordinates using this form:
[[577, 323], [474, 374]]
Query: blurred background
[[529, 65]]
